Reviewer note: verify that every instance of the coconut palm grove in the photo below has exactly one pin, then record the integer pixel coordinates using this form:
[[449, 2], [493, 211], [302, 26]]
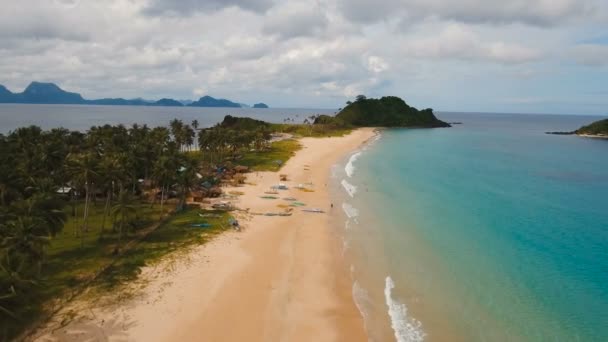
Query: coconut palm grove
[[73, 204]]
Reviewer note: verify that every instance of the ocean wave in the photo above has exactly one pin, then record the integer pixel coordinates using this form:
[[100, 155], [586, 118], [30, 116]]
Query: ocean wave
[[375, 139], [406, 329], [350, 189], [350, 168]]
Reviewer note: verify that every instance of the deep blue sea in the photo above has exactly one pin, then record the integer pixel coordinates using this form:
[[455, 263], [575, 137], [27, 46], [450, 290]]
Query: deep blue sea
[[82, 117], [487, 231]]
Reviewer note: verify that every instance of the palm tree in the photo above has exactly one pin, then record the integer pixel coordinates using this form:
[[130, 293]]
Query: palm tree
[[112, 172], [163, 173], [124, 208], [177, 127], [11, 294], [188, 135], [24, 244], [185, 178], [83, 168], [9, 181]]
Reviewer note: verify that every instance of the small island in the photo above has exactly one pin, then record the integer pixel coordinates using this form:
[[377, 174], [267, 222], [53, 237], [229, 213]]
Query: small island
[[208, 101], [597, 129], [167, 103], [388, 111], [260, 105]]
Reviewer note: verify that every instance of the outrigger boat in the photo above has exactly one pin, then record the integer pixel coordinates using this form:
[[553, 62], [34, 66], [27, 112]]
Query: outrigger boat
[[314, 210]]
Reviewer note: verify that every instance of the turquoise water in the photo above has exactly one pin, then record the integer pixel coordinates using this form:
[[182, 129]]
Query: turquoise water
[[489, 231]]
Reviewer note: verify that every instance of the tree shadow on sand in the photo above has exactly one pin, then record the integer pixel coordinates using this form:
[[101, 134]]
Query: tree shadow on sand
[[111, 330]]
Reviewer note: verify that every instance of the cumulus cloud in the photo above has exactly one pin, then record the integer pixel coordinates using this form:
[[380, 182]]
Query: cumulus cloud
[[301, 52], [295, 20], [459, 42], [30, 19], [376, 64]]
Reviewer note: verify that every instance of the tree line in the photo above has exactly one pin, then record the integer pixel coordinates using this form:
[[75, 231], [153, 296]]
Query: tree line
[[48, 175]]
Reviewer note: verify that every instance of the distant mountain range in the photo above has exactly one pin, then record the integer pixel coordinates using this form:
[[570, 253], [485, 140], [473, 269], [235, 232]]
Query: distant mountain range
[[50, 93]]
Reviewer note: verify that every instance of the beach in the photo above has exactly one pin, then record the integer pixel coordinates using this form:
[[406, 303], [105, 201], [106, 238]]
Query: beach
[[278, 279]]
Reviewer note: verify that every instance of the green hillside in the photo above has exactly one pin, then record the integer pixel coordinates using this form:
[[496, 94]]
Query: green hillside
[[388, 111], [596, 128]]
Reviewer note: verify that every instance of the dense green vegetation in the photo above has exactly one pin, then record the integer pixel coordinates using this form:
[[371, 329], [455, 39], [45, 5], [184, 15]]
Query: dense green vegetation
[[389, 111], [67, 195], [312, 129], [71, 202], [248, 124], [271, 159], [74, 261], [327, 126], [599, 128]]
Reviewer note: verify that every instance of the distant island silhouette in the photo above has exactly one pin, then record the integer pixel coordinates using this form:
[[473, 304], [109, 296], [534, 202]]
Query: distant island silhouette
[[50, 93]]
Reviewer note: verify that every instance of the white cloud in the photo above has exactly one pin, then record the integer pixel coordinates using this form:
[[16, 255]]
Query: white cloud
[[300, 52], [295, 19], [199, 92], [376, 64], [457, 41]]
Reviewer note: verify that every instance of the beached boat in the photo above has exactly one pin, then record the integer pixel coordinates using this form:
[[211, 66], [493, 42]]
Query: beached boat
[[200, 225], [222, 206], [314, 210]]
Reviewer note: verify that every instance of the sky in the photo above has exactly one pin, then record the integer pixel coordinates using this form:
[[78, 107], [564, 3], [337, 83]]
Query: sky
[[524, 56]]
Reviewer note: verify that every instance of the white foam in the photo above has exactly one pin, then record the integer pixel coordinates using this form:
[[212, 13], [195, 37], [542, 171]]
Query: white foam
[[350, 211], [350, 168], [347, 225], [350, 189], [375, 139], [406, 329]]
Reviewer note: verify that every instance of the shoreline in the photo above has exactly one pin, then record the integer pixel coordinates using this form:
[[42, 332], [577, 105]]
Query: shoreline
[[593, 136], [281, 278]]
